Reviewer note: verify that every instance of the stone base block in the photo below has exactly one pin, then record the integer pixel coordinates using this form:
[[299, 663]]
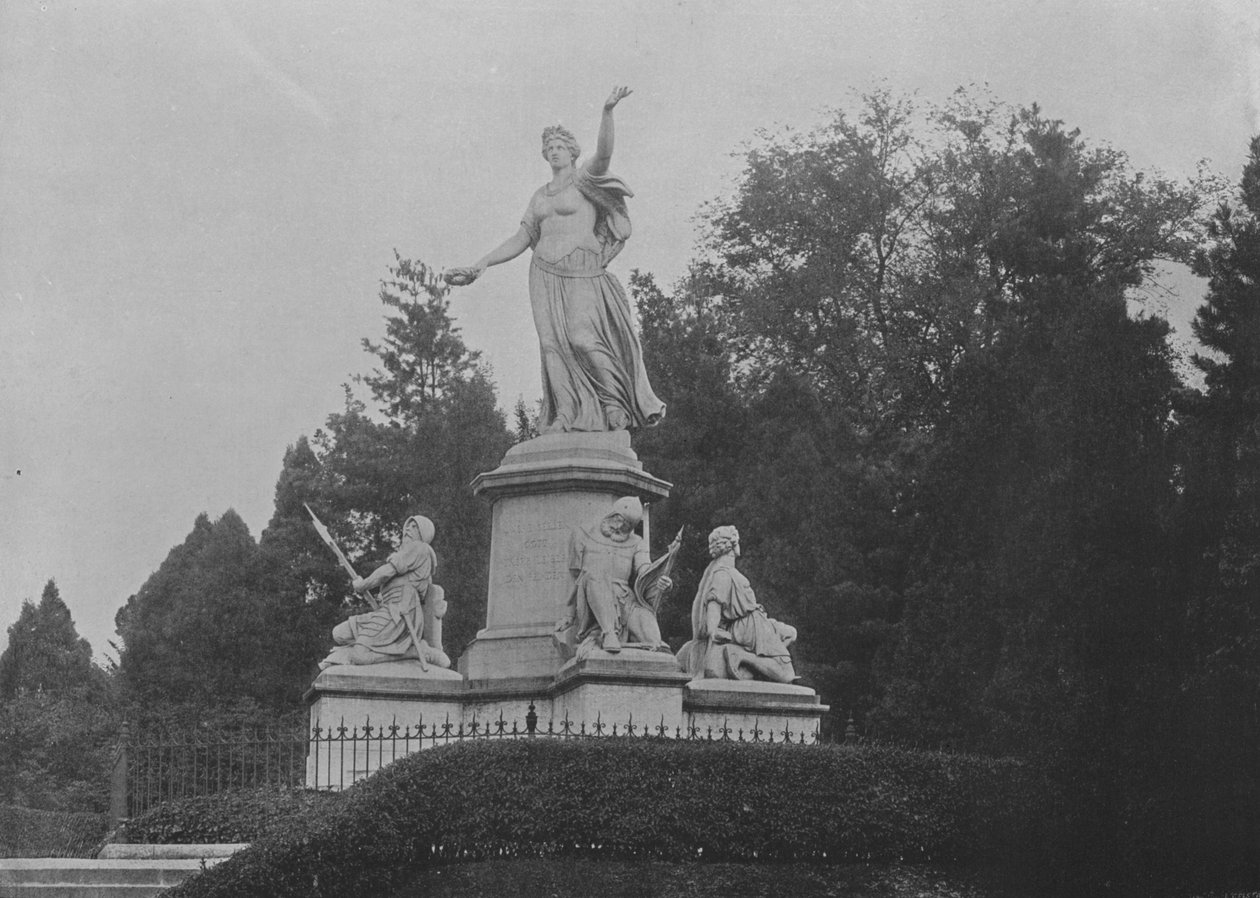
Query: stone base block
[[351, 691], [346, 699], [631, 686], [754, 708], [511, 653]]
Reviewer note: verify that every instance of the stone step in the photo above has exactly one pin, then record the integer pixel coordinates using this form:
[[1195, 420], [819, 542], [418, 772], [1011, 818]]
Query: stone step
[[95, 878], [81, 890], [147, 851]]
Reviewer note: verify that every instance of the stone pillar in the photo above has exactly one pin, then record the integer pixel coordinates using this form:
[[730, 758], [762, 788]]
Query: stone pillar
[[542, 490], [118, 780]]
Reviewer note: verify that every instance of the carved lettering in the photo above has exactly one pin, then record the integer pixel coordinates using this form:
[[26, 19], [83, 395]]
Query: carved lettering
[[536, 552], [533, 525]]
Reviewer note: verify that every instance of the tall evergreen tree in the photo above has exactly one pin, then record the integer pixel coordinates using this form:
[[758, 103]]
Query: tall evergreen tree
[[363, 476], [423, 354], [196, 632], [45, 652], [56, 712]]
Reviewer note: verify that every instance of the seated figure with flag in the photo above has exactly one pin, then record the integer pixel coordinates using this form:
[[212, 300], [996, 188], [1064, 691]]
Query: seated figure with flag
[[406, 619], [617, 588]]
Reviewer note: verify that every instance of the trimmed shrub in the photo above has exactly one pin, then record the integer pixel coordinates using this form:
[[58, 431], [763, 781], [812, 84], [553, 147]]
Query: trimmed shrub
[[29, 833], [238, 815], [580, 876], [646, 799]]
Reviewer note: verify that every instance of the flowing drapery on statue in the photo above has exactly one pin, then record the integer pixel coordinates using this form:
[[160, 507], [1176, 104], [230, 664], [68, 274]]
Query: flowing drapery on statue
[[732, 637], [593, 376], [407, 620]]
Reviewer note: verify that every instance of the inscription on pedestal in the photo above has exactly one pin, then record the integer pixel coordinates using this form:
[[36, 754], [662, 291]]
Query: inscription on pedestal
[[529, 566], [535, 554], [543, 490]]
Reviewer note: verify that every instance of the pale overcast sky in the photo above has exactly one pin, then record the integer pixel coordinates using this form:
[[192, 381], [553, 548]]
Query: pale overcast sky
[[198, 199]]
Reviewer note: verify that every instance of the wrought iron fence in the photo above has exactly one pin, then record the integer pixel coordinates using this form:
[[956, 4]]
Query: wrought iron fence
[[154, 767], [341, 755]]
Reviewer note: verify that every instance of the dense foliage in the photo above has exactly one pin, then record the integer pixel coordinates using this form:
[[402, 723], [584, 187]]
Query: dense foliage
[[230, 817], [906, 370], [56, 713], [915, 372], [1213, 774], [689, 879], [649, 798], [45, 651]]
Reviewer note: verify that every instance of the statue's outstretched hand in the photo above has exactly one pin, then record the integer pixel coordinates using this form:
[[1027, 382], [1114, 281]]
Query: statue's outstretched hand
[[618, 94], [462, 277]]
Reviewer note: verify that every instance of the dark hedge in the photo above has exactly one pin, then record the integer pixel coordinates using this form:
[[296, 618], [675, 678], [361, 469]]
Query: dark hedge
[[29, 833], [240, 815], [579, 876], [647, 799]]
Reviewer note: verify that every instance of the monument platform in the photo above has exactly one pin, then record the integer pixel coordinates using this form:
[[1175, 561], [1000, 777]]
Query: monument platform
[[632, 686], [749, 705], [517, 668]]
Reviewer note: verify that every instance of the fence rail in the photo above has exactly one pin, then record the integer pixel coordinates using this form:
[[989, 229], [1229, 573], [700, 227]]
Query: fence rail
[[158, 766], [154, 767]]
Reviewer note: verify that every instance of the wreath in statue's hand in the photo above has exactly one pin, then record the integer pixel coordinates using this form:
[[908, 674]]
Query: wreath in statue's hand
[[462, 277]]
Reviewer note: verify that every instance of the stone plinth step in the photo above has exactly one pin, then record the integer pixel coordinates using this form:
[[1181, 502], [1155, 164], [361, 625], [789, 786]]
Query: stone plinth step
[[149, 851], [95, 878], [82, 890]]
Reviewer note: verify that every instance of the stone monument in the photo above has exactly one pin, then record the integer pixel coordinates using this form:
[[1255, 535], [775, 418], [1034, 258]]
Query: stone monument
[[571, 625]]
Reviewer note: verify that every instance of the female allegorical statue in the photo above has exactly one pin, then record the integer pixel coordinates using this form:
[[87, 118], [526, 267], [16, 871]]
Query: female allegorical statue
[[593, 377]]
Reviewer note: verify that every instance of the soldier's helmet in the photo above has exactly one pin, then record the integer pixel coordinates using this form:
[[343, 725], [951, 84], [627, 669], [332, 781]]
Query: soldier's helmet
[[427, 530], [630, 509]]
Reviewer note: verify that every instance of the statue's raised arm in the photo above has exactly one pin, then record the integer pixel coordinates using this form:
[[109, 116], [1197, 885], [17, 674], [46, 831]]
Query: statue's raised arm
[[604, 144], [576, 223]]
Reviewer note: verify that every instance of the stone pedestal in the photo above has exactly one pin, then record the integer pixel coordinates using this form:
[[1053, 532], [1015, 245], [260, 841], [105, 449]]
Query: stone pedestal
[[753, 706], [544, 488], [385, 693], [632, 686], [348, 698]]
